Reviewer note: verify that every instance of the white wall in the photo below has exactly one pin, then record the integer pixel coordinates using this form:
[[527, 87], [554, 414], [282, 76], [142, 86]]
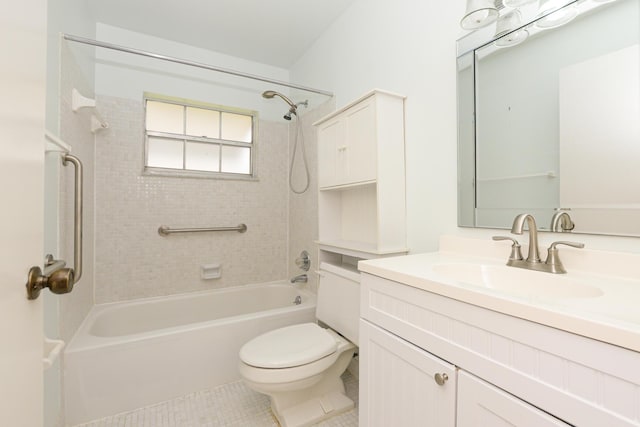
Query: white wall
[[409, 47], [125, 75], [70, 17], [406, 47]]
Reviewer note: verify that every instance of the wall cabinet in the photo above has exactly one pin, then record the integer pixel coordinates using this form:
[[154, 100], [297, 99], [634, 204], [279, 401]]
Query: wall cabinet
[[510, 371], [347, 145], [361, 174]]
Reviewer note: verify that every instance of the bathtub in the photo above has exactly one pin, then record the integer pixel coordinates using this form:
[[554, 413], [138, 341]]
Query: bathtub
[[132, 354]]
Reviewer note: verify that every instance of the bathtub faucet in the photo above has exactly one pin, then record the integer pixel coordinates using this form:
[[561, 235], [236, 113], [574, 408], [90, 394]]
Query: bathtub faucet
[[301, 278]]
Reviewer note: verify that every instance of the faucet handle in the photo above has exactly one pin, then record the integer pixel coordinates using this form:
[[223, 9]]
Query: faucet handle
[[553, 260], [562, 242], [516, 252]]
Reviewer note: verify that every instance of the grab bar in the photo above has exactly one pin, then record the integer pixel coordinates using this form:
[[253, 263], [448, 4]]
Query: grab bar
[[58, 279], [77, 213], [165, 231]]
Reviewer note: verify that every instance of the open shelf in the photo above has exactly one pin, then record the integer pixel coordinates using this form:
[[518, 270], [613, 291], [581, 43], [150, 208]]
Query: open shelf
[[359, 249], [361, 179]]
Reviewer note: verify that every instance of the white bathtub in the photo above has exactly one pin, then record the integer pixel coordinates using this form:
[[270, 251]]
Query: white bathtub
[[132, 354]]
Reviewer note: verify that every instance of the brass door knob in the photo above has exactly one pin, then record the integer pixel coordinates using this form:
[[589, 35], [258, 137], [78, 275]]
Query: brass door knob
[[59, 282]]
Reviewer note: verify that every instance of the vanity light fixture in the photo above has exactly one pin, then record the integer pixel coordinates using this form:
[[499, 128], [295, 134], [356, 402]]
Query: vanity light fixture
[[516, 3], [479, 13], [555, 19], [506, 23], [512, 39]]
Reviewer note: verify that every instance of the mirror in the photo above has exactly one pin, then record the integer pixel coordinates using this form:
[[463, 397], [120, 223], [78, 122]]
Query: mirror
[[552, 123]]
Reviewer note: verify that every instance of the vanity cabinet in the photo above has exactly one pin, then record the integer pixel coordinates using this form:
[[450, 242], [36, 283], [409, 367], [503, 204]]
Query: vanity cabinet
[[397, 385], [510, 371], [361, 174], [482, 404]]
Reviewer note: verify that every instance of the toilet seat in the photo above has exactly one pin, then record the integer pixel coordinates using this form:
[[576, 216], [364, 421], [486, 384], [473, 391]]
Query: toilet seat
[[289, 347]]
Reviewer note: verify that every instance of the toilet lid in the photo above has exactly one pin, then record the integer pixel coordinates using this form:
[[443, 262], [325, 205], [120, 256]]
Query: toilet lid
[[288, 347]]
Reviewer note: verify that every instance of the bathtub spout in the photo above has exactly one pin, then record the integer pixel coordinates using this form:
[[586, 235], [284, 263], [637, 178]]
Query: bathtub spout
[[301, 278]]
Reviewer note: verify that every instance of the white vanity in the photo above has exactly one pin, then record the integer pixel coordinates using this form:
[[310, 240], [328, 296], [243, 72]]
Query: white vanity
[[454, 339]]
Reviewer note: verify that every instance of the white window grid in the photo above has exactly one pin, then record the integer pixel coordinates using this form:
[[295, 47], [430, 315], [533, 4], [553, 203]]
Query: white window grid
[[185, 138]]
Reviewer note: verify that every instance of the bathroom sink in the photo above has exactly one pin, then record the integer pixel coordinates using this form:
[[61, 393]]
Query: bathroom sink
[[517, 281]]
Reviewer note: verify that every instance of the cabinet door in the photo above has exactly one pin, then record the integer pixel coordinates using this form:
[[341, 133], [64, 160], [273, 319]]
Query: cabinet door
[[360, 149], [397, 385], [330, 138], [481, 404]]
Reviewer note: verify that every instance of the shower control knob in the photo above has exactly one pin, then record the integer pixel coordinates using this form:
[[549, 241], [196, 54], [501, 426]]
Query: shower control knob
[[441, 378], [303, 261]]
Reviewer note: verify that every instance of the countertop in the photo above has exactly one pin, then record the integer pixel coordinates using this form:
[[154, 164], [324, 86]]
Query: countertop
[[613, 317]]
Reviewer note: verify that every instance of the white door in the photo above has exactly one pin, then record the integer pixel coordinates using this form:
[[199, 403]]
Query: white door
[[22, 111], [397, 383], [480, 404]]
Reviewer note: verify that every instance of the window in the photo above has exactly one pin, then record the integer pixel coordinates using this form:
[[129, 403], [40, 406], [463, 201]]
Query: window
[[191, 138]]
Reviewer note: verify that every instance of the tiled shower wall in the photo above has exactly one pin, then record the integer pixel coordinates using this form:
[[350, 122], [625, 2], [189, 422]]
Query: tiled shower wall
[[75, 129], [134, 261], [303, 208]]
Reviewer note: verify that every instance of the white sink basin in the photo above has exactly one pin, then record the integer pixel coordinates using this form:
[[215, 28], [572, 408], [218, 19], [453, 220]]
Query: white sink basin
[[517, 281]]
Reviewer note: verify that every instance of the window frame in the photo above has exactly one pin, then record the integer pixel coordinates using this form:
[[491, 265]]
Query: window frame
[[184, 139]]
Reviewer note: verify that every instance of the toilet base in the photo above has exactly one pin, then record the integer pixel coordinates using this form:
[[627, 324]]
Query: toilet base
[[315, 410], [306, 394]]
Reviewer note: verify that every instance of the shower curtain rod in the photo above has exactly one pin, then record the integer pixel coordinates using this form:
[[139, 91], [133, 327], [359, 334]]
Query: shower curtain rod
[[190, 63]]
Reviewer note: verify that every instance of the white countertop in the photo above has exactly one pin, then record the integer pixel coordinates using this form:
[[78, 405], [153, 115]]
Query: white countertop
[[613, 317]]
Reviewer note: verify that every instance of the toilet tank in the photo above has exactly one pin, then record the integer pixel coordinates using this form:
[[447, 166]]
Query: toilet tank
[[338, 304]]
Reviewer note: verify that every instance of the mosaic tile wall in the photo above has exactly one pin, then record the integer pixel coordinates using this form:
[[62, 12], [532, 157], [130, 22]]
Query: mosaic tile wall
[[75, 129], [303, 208], [133, 261]]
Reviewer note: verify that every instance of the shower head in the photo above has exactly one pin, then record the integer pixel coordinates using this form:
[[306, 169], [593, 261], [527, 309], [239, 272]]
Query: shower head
[[293, 107], [271, 93]]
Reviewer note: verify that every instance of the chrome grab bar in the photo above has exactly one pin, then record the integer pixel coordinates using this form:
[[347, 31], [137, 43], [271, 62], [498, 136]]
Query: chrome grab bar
[[58, 279], [163, 230]]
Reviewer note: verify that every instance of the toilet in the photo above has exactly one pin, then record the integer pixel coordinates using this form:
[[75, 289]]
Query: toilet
[[299, 366]]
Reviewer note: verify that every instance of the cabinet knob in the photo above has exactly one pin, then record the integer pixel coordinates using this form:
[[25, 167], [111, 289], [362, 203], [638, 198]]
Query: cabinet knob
[[441, 378]]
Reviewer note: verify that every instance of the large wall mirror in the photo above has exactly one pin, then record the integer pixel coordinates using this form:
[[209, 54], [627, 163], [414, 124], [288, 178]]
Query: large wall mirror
[[549, 121]]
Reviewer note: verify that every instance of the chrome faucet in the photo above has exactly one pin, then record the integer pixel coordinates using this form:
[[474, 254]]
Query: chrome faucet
[[561, 221], [300, 278], [533, 262]]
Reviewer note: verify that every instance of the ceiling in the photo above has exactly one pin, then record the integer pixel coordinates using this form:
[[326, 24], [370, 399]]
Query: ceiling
[[274, 32]]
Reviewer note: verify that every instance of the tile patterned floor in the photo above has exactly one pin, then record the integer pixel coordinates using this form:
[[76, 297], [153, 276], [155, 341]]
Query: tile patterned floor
[[230, 405]]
